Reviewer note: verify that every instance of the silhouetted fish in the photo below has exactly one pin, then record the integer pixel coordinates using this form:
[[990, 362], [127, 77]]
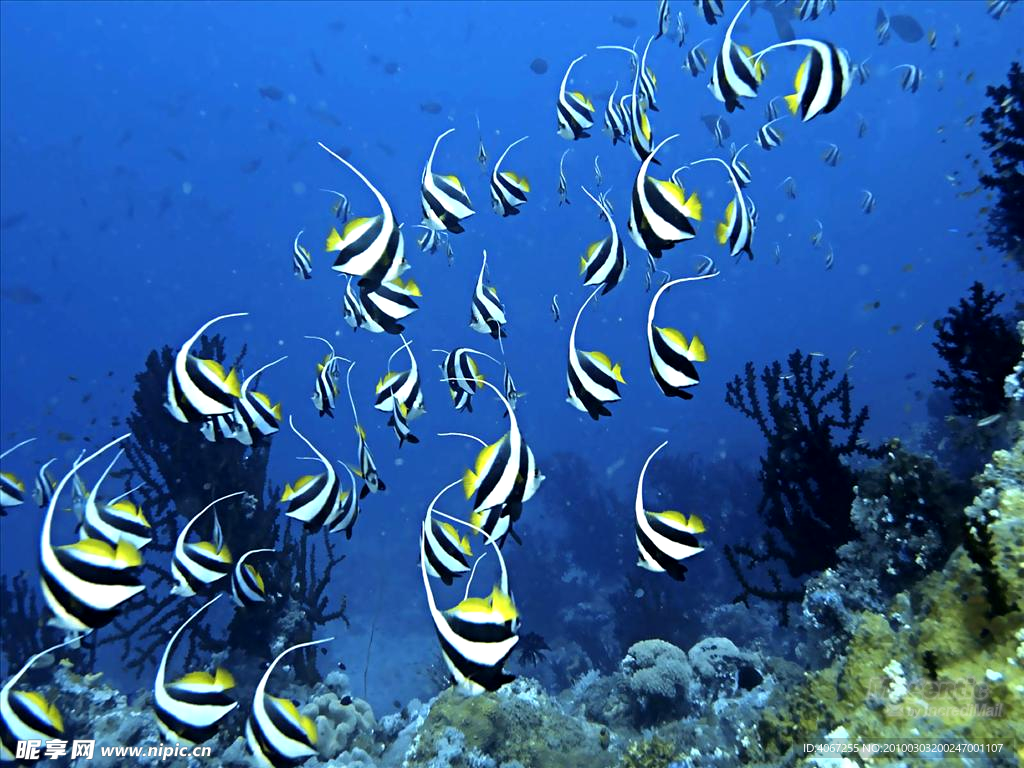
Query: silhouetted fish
[[20, 294], [177, 154], [271, 92], [13, 220], [317, 66], [624, 21], [905, 27], [391, 68], [324, 116], [539, 66], [125, 138], [430, 107], [252, 165]]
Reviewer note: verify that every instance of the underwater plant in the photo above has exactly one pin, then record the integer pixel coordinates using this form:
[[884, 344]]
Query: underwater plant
[[807, 484], [181, 472], [980, 349], [1004, 137]]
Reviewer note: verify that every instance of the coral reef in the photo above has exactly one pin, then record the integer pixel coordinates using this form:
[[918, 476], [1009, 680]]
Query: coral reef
[[654, 752], [1004, 137], [1013, 384], [908, 515], [518, 724], [342, 722], [980, 349], [657, 676], [944, 661], [806, 481]]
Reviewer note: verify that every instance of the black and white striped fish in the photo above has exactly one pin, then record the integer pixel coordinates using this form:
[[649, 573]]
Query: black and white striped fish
[[738, 226], [739, 168], [810, 10], [278, 735], [487, 313], [616, 118], [196, 566], [997, 8], [42, 489], [696, 60], [199, 389], [302, 262], [830, 258], [429, 240], [503, 477], [789, 187], [352, 308], [598, 176], [867, 203], [512, 395], [256, 416], [341, 208], [462, 375], [862, 72], [28, 715], [219, 429], [478, 635], [555, 311], [671, 356], [85, 583], [883, 27], [369, 248], [190, 709], [399, 423], [575, 111], [312, 499], [325, 386], [706, 266], [712, 10], [481, 153], [608, 209], [367, 471], [402, 387], [660, 214], [385, 305], [862, 127], [734, 75], [664, 539], [640, 137], [443, 199], [831, 155], [592, 379], [664, 18], [508, 189], [816, 236], [605, 262], [911, 79], [12, 488], [445, 550], [681, 29], [347, 511], [114, 520], [247, 587], [822, 80], [563, 188]]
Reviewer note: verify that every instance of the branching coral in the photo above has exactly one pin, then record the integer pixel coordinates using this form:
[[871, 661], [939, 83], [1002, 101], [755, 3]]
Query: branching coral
[[980, 349], [812, 432], [1004, 138]]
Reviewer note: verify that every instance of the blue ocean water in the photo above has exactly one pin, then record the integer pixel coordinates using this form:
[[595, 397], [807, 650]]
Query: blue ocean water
[[147, 186]]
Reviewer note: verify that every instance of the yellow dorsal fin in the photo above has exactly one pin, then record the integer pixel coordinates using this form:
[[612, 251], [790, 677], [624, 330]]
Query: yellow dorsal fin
[[199, 677], [354, 224], [276, 410], [793, 102], [675, 337], [592, 249], [288, 492], [454, 181], [583, 264], [262, 399], [213, 367], [472, 605], [801, 74], [486, 455], [127, 555], [92, 547], [721, 232], [582, 99], [695, 524], [697, 352], [302, 482], [38, 702], [601, 359], [469, 480], [617, 373], [464, 545]]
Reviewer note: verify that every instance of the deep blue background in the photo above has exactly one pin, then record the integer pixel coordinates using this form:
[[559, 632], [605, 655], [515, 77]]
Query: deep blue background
[[95, 274]]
